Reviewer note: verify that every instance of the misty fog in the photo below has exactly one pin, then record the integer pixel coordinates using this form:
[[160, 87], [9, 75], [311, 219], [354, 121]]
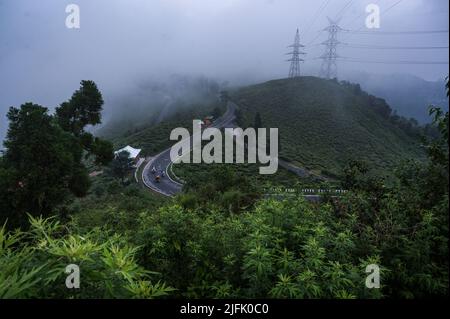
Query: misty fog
[[133, 49]]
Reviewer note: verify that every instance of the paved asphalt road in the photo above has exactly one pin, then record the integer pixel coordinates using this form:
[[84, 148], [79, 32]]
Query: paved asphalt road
[[161, 162], [167, 186]]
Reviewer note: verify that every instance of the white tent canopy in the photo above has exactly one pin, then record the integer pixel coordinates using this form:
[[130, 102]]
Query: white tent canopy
[[134, 152]]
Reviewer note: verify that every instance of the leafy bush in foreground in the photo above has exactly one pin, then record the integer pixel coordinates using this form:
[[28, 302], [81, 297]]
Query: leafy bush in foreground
[[295, 249], [33, 264]]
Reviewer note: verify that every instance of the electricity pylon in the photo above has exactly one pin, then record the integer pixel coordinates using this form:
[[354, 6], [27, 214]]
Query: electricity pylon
[[329, 64], [294, 70]]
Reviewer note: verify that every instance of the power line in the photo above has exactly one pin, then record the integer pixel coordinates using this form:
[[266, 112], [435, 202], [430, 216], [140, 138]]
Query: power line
[[358, 31], [382, 47], [330, 57], [394, 32], [362, 14], [338, 17], [342, 11], [349, 59], [319, 32], [391, 7], [367, 46], [316, 15], [344, 59], [383, 13]]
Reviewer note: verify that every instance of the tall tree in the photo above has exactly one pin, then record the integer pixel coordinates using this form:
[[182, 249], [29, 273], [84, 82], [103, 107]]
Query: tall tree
[[121, 165], [83, 109], [42, 165]]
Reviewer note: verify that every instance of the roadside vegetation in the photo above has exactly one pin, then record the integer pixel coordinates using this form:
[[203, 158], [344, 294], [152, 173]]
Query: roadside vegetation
[[222, 238]]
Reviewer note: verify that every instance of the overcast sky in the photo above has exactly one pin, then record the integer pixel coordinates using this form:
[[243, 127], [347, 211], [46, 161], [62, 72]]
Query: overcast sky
[[123, 40]]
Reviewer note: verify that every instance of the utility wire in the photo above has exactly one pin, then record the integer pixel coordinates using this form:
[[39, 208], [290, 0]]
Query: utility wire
[[394, 32], [383, 13], [319, 32], [348, 59], [382, 47], [314, 19], [391, 7], [362, 14], [343, 59], [338, 17], [342, 11]]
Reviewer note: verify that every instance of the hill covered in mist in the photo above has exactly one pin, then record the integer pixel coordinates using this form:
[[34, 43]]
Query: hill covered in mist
[[153, 101], [408, 95], [324, 124]]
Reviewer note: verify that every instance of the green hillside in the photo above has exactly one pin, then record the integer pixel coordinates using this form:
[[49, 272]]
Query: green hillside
[[323, 123], [155, 138]]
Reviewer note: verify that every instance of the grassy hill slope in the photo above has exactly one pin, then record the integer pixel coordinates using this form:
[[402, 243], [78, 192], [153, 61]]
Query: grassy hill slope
[[323, 123], [155, 138]]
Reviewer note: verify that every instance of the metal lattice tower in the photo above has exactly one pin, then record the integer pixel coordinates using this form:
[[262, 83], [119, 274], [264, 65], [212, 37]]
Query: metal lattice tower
[[329, 64], [294, 70]]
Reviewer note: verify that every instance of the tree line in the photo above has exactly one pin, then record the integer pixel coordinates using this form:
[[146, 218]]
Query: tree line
[[42, 166]]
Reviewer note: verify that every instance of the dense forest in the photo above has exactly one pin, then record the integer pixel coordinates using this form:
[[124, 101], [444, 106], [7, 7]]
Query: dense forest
[[220, 238]]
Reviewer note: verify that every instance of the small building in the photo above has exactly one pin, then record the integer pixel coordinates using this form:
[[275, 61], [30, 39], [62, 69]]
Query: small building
[[134, 153]]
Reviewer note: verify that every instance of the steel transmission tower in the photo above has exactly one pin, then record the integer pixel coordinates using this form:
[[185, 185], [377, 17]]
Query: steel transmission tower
[[329, 64], [294, 70]]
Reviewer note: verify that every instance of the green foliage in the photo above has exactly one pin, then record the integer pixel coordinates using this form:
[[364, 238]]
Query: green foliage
[[324, 124], [220, 186], [114, 205], [202, 174], [102, 150], [40, 167], [357, 176], [296, 249], [83, 108], [258, 121], [280, 249], [43, 164], [121, 165], [221, 239], [33, 264]]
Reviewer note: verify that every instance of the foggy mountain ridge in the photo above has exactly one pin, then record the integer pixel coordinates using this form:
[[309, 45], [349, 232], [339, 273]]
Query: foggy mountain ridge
[[153, 100], [410, 96], [121, 43]]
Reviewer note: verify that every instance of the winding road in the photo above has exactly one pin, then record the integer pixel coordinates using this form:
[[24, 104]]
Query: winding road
[[167, 185]]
